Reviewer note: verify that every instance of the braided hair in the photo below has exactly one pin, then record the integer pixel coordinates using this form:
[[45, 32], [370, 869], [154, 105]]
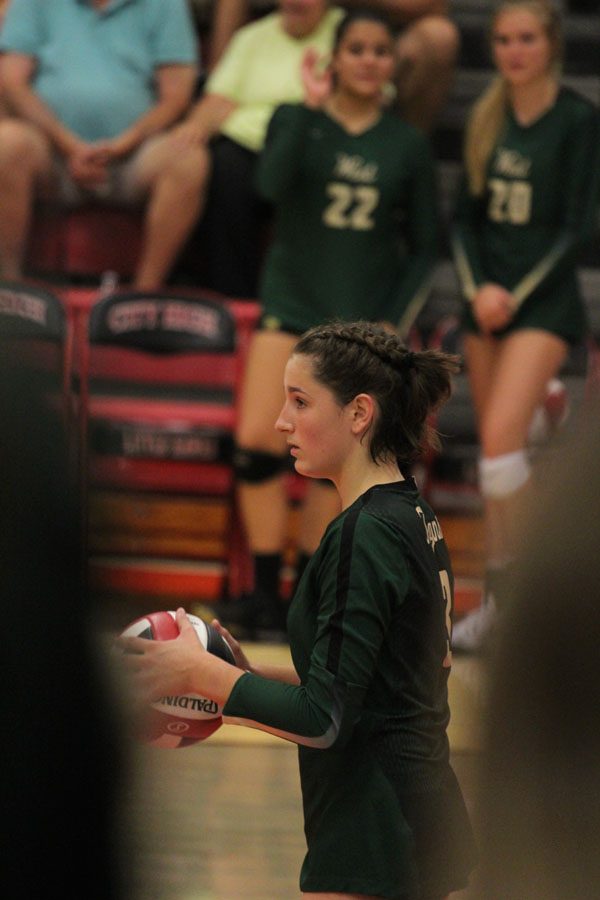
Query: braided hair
[[361, 357]]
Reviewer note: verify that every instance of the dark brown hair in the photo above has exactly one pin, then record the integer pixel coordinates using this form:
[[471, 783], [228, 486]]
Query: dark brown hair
[[361, 357]]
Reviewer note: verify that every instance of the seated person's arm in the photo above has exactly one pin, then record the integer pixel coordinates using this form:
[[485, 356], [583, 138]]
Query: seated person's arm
[[205, 119], [174, 87], [16, 71], [227, 18]]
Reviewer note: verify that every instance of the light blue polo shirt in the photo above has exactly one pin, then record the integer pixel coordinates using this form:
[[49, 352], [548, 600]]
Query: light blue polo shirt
[[96, 68]]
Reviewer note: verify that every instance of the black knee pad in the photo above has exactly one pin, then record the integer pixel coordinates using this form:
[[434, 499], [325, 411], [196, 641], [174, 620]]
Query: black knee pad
[[256, 466]]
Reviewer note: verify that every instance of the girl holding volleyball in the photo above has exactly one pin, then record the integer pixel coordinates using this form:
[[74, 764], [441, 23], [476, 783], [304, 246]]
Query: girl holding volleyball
[[369, 628], [353, 190]]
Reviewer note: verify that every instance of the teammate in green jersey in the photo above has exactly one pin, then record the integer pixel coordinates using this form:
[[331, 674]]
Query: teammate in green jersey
[[366, 697], [355, 237], [532, 165]]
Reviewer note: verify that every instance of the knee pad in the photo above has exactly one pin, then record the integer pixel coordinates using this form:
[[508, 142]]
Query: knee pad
[[256, 466], [501, 476]]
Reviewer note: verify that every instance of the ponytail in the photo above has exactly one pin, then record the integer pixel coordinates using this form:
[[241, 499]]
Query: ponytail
[[408, 386]]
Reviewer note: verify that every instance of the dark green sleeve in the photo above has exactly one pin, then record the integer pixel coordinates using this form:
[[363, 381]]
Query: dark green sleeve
[[281, 156], [421, 235], [580, 177], [468, 217], [357, 591]]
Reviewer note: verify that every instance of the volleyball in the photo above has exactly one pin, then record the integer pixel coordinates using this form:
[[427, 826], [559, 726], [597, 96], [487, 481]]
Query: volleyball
[[185, 719]]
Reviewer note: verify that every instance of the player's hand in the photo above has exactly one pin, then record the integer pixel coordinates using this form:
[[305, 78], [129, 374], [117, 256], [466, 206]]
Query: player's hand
[[317, 81], [493, 307], [241, 660], [165, 668]]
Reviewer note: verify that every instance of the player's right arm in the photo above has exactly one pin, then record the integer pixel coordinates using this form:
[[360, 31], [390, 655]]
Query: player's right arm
[[281, 157]]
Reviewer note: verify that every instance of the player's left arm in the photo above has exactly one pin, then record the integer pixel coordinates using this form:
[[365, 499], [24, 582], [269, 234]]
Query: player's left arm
[[580, 183]]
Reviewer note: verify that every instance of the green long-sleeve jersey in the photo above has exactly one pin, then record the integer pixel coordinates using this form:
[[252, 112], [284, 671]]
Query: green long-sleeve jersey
[[356, 219], [539, 205], [369, 636]]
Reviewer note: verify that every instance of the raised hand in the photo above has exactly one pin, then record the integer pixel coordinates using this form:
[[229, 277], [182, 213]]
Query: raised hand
[[317, 80]]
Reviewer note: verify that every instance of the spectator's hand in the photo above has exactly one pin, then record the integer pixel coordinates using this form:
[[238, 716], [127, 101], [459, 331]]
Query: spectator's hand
[[493, 307], [116, 148], [318, 82], [85, 166]]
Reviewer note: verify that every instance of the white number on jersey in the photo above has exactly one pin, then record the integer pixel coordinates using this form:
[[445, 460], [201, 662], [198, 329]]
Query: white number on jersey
[[510, 201], [351, 206], [447, 592]]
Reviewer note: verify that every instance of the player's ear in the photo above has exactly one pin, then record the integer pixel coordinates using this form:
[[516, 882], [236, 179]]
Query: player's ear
[[362, 411]]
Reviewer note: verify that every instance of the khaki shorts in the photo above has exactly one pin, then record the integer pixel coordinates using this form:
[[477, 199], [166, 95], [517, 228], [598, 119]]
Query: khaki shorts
[[123, 187]]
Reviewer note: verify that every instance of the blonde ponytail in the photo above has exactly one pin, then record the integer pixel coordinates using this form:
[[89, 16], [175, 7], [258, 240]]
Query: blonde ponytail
[[484, 127], [488, 115]]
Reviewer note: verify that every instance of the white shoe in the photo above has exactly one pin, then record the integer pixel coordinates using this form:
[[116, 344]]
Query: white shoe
[[551, 414], [473, 633]]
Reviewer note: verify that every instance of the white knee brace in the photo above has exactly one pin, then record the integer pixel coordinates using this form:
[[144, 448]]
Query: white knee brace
[[500, 476]]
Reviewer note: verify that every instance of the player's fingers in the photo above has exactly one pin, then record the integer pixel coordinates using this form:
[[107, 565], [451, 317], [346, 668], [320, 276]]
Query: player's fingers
[[233, 643], [183, 623]]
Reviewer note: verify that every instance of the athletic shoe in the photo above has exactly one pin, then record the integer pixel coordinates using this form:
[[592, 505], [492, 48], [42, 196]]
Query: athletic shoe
[[551, 414], [474, 633], [254, 617]]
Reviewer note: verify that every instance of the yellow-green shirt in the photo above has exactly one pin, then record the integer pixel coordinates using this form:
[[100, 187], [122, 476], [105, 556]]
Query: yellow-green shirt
[[261, 69]]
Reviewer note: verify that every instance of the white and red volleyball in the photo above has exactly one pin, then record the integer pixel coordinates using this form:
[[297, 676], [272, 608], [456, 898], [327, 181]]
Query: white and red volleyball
[[185, 719]]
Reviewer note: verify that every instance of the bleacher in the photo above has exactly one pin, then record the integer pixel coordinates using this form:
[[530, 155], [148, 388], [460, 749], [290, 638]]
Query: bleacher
[[175, 545]]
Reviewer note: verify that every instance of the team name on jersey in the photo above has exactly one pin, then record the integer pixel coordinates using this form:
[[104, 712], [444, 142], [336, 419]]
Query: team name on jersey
[[433, 529], [511, 163], [355, 168]]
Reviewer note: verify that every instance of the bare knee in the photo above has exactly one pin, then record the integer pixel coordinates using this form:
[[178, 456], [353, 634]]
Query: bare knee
[[21, 147], [186, 171]]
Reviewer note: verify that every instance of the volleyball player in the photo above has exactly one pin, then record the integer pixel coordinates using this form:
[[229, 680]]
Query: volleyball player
[[366, 698], [532, 158], [355, 236]]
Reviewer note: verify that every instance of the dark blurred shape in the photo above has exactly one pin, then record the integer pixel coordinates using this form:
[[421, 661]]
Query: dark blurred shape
[[541, 786], [61, 748]]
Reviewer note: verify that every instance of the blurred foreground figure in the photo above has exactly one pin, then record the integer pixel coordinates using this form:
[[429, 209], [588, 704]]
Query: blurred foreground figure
[[61, 749], [541, 809]]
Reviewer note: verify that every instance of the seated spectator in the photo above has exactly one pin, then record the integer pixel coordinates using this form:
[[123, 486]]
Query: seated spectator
[[426, 49], [92, 86], [259, 71]]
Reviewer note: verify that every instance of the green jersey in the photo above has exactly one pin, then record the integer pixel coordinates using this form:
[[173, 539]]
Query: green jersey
[[526, 230], [369, 630], [356, 217]]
